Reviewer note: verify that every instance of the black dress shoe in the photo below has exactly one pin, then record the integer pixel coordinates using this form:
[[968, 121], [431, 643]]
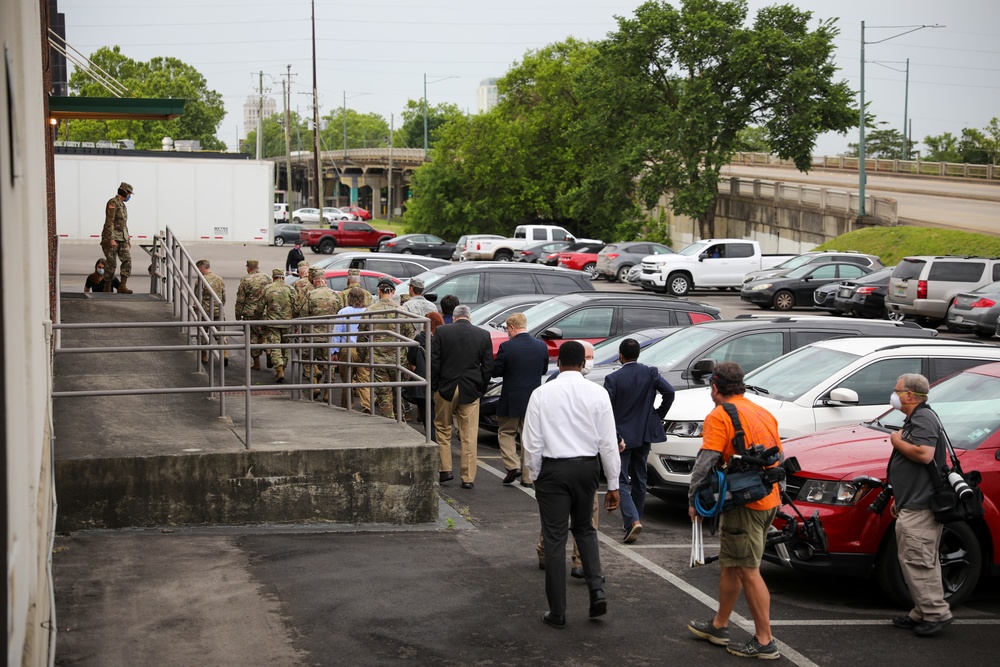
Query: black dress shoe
[[467, 485], [557, 622], [931, 628], [445, 477], [598, 604], [511, 476], [905, 622], [527, 484], [576, 573]]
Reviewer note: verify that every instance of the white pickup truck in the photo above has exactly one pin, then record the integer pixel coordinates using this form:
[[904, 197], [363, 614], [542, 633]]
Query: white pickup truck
[[502, 250], [718, 263]]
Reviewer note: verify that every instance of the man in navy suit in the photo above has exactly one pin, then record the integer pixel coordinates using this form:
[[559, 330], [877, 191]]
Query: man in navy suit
[[633, 390], [522, 362]]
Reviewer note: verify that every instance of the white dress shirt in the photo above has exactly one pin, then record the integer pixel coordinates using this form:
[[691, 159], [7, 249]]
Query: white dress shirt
[[570, 417]]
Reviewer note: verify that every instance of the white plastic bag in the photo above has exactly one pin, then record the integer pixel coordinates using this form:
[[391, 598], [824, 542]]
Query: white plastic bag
[[697, 544]]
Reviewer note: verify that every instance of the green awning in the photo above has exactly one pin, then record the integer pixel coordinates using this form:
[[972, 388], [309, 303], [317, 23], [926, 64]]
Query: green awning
[[114, 108]]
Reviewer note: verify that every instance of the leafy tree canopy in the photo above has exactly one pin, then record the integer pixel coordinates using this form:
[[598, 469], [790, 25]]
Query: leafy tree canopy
[[881, 143], [300, 138], [973, 147], [158, 78], [411, 134]]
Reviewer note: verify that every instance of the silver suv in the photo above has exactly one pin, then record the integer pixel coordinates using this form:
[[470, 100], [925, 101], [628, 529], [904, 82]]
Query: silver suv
[[922, 287]]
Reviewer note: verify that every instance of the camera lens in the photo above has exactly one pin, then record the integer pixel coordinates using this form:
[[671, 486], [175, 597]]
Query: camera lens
[[882, 501], [958, 483]]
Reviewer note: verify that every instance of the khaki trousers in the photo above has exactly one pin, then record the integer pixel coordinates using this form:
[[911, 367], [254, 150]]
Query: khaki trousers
[[917, 538], [509, 428], [467, 415], [361, 374], [540, 547]]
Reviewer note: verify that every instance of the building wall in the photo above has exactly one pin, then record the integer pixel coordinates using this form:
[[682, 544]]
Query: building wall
[[250, 112], [26, 370], [487, 95]]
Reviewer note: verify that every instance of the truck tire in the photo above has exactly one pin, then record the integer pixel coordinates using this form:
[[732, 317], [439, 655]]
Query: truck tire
[[678, 284], [327, 246], [961, 565], [503, 256]]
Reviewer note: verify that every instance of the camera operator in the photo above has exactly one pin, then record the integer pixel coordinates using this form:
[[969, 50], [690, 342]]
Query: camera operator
[[743, 529], [918, 534]]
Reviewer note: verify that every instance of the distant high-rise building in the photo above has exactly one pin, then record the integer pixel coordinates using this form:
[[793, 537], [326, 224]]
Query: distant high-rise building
[[251, 108], [486, 95]]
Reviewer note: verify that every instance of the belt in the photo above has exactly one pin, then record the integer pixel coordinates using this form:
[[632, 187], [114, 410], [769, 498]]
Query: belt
[[571, 458]]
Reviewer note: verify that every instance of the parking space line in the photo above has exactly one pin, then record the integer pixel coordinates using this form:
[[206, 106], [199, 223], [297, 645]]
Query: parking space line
[[628, 552], [958, 621]]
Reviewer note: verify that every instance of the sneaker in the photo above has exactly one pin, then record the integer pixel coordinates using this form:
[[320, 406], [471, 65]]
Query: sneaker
[[931, 628], [705, 630], [905, 622], [632, 534], [754, 649]]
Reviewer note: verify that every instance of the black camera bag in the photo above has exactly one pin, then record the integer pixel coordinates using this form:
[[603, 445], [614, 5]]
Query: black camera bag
[[945, 502]]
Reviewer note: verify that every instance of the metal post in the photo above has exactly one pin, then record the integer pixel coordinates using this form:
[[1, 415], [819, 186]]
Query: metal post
[[425, 115], [388, 195], [343, 111], [317, 197], [260, 114], [906, 105], [287, 93], [861, 139]]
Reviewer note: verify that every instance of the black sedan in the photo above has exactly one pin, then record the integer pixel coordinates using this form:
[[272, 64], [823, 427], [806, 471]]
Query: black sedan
[[287, 233], [540, 252], [865, 297], [796, 288], [419, 244]]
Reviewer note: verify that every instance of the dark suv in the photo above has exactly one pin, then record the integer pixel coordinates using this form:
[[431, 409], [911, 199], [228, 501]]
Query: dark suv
[[477, 282]]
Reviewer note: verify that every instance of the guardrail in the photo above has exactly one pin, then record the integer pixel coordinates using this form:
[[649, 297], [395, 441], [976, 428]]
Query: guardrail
[[882, 209], [172, 276], [988, 172]]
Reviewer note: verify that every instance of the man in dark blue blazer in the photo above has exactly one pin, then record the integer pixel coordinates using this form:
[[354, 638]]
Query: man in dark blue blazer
[[633, 390], [522, 361]]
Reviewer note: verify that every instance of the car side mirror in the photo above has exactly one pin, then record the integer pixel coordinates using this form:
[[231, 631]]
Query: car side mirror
[[551, 334], [432, 297], [702, 257], [703, 367], [842, 396]]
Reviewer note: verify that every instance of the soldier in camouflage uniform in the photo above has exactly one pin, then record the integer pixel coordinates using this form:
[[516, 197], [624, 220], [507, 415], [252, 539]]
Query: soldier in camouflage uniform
[[216, 313], [115, 239], [321, 300], [385, 355], [278, 302], [250, 306], [354, 280]]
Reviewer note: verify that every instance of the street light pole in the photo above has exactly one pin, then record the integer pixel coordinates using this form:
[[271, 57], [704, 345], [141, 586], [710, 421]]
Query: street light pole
[[861, 131], [906, 110], [425, 107], [318, 197]]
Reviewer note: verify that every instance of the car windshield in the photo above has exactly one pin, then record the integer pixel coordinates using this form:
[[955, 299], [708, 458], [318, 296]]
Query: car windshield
[[992, 288], [694, 249], [790, 376], [335, 262], [430, 278], [967, 405], [543, 312], [486, 312], [678, 346], [801, 271], [795, 262]]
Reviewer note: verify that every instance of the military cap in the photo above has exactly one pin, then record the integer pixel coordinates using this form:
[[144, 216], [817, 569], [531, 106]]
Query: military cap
[[316, 272], [277, 273], [126, 187], [417, 282], [385, 284], [252, 264], [356, 273], [301, 264]]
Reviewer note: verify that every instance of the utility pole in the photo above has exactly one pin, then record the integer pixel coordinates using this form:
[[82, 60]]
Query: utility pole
[[343, 112], [388, 197], [260, 113], [425, 115], [318, 197], [286, 90], [906, 110], [861, 135]]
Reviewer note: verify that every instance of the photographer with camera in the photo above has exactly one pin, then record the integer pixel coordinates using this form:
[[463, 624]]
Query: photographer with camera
[[743, 528], [920, 441]]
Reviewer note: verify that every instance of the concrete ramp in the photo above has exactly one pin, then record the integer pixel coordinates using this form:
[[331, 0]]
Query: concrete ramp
[[170, 459]]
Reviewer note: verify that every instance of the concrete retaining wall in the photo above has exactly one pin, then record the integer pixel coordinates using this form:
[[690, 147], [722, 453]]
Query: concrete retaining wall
[[395, 485]]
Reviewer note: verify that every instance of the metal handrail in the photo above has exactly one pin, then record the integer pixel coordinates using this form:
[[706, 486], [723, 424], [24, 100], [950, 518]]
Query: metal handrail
[[172, 276]]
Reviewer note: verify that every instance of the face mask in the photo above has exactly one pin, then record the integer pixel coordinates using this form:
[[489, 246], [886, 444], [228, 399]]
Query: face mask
[[588, 366], [128, 197], [100, 272], [895, 402]]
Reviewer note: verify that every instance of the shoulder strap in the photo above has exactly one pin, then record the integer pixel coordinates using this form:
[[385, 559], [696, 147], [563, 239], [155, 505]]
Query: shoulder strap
[[739, 441]]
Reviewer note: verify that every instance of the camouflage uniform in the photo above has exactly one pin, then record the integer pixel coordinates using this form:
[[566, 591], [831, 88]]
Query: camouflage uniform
[[277, 302], [385, 355], [219, 287], [250, 306], [116, 229], [319, 301], [355, 273]]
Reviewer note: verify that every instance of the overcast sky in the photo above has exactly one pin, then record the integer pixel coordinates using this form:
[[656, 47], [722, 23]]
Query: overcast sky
[[379, 51]]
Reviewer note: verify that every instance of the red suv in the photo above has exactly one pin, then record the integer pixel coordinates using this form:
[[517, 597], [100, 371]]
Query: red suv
[[835, 463]]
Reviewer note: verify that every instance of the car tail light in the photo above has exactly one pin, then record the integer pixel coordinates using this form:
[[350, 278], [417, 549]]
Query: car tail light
[[613, 255], [699, 317], [983, 303], [525, 253], [865, 290], [922, 289], [389, 244]]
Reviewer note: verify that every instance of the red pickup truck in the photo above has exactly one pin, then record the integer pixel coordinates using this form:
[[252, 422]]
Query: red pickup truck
[[344, 234]]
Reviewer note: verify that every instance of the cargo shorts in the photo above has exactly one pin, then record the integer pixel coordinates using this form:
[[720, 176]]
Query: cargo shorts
[[742, 533]]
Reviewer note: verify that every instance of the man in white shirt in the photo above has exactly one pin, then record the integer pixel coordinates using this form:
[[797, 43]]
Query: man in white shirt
[[569, 425]]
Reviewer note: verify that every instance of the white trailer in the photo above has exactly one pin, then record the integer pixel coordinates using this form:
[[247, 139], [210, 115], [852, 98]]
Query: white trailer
[[200, 199]]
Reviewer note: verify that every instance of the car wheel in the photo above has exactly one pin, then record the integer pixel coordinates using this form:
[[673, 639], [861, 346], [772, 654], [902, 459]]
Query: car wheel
[[296, 220], [948, 325], [622, 275], [678, 284], [407, 252], [894, 316], [278, 241], [984, 333], [961, 564], [326, 246], [591, 270], [503, 256], [784, 300]]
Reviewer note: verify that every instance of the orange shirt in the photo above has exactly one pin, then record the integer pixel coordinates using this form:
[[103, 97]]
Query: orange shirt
[[759, 428]]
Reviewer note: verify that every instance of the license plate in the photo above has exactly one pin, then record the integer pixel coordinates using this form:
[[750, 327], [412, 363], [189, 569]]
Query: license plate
[[900, 290], [844, 292]]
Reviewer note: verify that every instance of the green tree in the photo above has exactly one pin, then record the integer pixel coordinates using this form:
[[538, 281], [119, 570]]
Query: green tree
[[158, 78], [753, 140], [411, 134], [942, 148], [274, 136], [973, 146], [881, 143], [672, 89], [363, 130]]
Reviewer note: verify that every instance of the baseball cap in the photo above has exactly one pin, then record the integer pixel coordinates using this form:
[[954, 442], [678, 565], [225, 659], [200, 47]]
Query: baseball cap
[[417, 282], [385, 284]]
